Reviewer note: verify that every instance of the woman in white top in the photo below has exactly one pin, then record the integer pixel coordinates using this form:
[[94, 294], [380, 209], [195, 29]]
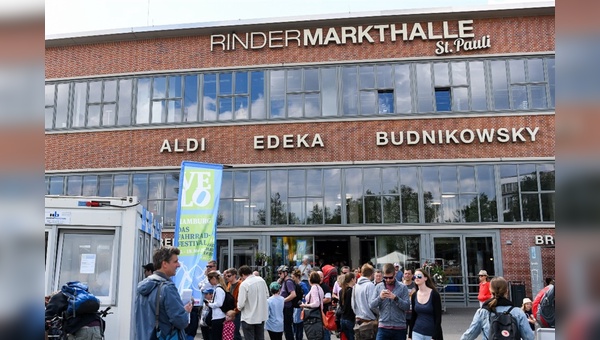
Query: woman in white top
[[218, 317]]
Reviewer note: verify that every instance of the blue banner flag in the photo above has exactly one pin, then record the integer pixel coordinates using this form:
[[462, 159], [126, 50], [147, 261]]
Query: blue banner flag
[[196, 222]]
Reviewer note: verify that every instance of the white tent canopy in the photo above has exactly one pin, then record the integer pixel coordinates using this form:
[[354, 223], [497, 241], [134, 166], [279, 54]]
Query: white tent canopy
[[393, 257]]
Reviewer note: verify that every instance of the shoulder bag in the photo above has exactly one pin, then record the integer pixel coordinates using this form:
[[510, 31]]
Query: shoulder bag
[[174, 334]]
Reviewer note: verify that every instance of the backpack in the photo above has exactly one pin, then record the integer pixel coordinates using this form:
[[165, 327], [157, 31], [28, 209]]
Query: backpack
[[299, 295], [228, 302], [503, 326], [80, 300], [545, 313]]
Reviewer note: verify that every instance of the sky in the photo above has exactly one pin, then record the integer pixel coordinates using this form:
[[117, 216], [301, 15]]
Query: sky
[[78, 16]]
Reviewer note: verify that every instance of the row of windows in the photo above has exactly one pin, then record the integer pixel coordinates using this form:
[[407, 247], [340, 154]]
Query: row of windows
[[474, 85], [353, 195]]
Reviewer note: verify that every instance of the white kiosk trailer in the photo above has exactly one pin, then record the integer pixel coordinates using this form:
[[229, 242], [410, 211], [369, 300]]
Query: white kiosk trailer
[[102, 242]]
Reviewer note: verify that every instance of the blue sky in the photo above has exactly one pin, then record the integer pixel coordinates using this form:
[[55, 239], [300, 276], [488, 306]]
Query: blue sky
[[74, 16]]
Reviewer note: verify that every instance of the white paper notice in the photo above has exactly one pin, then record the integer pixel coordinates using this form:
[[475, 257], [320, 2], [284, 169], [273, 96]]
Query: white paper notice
[[186, 295], [88, 264]]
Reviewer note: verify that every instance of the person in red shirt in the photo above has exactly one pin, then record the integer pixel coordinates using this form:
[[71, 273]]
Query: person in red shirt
[[484, 287], [540, 295]]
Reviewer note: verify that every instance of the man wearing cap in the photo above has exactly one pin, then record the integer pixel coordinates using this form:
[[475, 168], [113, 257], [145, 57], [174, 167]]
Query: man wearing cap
[[288, 292], [484, 288], [252, 303], [399, 272], [148, 269]]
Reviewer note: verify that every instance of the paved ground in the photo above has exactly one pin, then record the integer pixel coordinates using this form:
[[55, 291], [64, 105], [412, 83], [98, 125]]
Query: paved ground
[[454, 322]]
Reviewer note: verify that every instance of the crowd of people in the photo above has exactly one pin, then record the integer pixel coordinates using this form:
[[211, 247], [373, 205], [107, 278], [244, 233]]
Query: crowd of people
[[368, 304]]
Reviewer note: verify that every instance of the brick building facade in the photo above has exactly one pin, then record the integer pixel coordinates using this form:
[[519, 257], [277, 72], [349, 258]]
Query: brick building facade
[[485, 116]]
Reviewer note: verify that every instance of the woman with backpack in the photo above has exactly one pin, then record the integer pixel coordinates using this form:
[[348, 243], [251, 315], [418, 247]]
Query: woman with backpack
[[499, 307], [426, 312], [218, 316]]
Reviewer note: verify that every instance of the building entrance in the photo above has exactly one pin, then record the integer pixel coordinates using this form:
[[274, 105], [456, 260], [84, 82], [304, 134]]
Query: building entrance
[[461, 257], [332, 250]]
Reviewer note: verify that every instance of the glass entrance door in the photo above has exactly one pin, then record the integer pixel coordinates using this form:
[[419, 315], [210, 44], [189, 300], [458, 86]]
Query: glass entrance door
[[447, 253], [461, 257]]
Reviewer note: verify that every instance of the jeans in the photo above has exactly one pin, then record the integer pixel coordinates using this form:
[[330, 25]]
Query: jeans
[[298, 330], [189, 337], [391, 334], [348, 328], [326, 334], [417, 336], [288, 320], [253, 331], [238, 323]]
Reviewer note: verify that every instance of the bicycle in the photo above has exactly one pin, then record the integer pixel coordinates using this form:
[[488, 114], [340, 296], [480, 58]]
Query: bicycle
[[55, 325]]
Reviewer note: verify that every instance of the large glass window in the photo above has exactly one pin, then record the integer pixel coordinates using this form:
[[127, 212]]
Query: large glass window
[[89, 258], [517, 84], [290, 250], [464, 193], [402, 249]]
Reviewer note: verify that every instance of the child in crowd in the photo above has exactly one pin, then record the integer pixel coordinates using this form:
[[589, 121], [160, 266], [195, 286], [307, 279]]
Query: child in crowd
[[274, 324], [206, 314], [228, 325]]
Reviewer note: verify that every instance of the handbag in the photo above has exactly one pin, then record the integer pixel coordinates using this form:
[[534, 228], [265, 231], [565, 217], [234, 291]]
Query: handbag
[[329, 320], [310, 313]]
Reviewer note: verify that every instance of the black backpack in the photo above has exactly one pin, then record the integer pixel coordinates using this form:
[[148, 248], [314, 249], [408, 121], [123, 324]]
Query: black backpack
[[299, 294], [545, 313], [228, 302], [503, 326]]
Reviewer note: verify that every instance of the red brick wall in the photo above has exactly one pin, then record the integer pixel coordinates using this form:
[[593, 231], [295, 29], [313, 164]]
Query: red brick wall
[[344, 142], [515, 257], [507, 35]]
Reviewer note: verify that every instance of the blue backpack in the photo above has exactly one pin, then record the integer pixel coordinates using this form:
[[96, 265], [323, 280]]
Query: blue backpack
[[80, 300]]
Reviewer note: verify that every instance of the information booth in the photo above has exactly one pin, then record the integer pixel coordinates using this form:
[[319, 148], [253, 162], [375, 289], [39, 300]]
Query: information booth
[[102, 242]]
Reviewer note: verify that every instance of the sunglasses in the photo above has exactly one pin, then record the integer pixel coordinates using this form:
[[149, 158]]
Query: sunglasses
[[481, 275], [418, 276], [227, 275], [209, 266], [388, 277]]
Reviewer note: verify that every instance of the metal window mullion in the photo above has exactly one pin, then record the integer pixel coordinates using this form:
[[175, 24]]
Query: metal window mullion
[[200, 93], [54, 108], [547, 81], [468, 86], [519, 190], [539, 191]]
